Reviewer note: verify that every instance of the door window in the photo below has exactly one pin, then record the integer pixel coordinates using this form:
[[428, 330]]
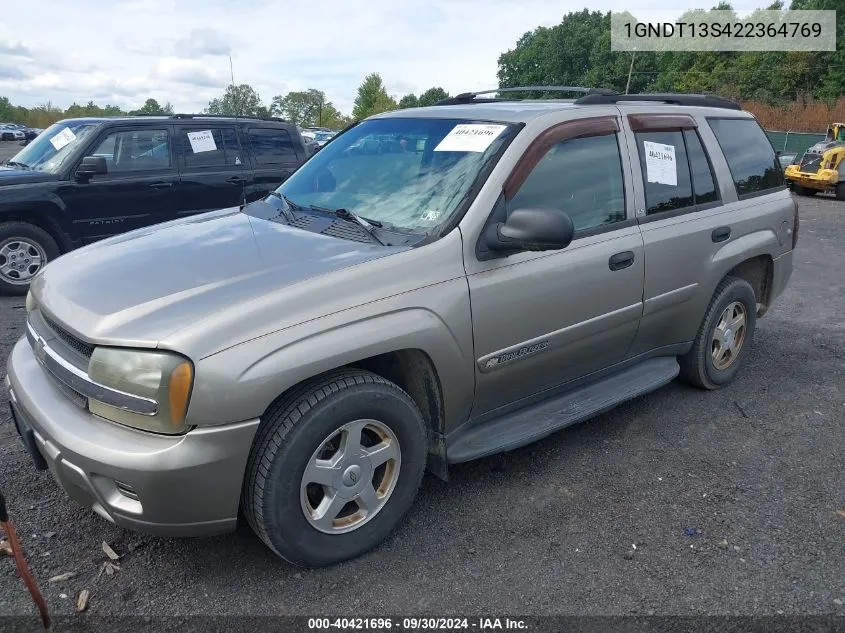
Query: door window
[[580, 176], [210, 148], [135, 150], [271, 147]]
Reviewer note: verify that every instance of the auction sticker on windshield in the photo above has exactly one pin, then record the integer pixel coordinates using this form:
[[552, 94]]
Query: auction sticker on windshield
[[470, 137], [202, 141], [63, 138]]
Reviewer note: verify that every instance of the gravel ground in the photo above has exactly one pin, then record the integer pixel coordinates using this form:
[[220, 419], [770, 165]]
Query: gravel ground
[[730, 498], [9, 149]]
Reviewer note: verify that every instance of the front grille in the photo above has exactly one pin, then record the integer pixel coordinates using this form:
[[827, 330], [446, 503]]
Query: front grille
[[86, 349], [811, 163], [72, 394]]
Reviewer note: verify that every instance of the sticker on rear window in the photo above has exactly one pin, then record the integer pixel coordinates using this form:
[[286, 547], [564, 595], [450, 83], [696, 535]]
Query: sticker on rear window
[[469, 137], [63, 138], [202, 141], [660, 163]]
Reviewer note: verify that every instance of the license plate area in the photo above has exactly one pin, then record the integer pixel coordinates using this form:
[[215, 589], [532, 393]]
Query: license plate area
[[28, 438]]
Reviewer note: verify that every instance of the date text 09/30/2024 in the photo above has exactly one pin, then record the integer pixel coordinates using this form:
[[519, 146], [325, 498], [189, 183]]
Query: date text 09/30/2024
[[416, 624]]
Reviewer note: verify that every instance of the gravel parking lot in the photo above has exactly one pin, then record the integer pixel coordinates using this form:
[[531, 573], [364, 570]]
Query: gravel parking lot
[[9, 149], [681, 502]]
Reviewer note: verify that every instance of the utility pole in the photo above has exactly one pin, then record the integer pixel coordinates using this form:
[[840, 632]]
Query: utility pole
[[630, 70]]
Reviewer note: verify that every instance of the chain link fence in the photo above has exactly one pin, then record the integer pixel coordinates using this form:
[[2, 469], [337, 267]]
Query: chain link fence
[[793, 142]]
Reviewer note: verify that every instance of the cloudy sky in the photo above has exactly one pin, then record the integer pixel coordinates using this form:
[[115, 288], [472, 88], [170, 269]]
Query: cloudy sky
[[124, 51]]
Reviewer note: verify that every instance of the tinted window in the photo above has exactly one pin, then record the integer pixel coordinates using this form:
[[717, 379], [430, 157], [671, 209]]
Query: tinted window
[[703, 183], [663, 160], [582, 177], [136, 150], [751, 159], [271, 147], [204, 147]]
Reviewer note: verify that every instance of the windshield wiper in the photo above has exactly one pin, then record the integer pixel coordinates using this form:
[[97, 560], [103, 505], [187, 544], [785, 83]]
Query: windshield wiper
[[345, 214], [12, 163], [287, 204]]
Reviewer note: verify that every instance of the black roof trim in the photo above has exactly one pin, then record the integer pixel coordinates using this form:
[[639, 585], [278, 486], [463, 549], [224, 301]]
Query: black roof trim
[[699, 100], [469, 97], [229, 116]]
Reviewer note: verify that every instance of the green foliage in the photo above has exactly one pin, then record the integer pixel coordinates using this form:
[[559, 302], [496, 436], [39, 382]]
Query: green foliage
[[409, 101], [576, 52], [152, 107], [238, 100], [432, 96], [372, 98]]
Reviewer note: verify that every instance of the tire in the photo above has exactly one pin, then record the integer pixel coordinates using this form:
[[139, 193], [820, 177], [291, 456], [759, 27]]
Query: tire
[[278, 505], [840, 191], [803, 191], [20, 240], [699, 366]]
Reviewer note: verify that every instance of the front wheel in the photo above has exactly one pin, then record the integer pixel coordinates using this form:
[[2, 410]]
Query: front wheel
[[724, 338], [334, 468], [24, 250]]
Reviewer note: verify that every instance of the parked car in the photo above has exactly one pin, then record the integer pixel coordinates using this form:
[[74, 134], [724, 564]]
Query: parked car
[[305, 357], [86, 179], [321, 138], [9, 132]]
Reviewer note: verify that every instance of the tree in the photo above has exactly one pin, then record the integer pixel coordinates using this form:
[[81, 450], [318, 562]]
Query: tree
[[305, 108], [432, 96], [409, 101], [152, 107], [372, 98], [238, 100]]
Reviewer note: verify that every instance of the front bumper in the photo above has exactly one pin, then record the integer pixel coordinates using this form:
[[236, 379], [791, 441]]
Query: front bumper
[[186, 485], [821, 180]]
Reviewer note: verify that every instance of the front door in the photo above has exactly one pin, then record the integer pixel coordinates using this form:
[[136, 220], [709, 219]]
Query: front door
[[541, 319], [273, 158], [138, 190]]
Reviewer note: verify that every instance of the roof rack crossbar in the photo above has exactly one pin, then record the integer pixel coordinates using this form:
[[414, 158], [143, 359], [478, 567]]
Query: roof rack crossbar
[[228, 116], [700, 100], [469, 97]]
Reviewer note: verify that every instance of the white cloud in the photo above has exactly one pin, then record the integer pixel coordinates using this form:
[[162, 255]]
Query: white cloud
[[126, 51]]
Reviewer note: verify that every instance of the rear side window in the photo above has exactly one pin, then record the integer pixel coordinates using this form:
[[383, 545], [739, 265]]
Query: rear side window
[[214, 147], [676, 171], [271, 147], [753, 163]]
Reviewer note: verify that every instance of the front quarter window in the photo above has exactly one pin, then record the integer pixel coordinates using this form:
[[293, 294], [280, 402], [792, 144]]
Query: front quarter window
[[411, 173], [49, 151]]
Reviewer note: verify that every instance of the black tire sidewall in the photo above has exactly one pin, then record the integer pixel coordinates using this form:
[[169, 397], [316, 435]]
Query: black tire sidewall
[[29, 232], [284, 521], [738, 290]]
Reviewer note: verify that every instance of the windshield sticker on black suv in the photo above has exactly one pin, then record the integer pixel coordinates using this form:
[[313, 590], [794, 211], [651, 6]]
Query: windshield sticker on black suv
[[660, 163], [202, 141], [469, 137], [63, 138]]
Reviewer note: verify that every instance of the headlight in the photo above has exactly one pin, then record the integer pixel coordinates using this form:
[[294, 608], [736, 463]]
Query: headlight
[[164, 377], [30, 302]]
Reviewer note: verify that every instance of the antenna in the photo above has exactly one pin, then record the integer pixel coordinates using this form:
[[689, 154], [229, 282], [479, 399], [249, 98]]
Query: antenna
[[234, 89]]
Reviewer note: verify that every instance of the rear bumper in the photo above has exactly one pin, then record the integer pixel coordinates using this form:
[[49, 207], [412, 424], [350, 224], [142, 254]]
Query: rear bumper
[[781, 274], [187, 485]]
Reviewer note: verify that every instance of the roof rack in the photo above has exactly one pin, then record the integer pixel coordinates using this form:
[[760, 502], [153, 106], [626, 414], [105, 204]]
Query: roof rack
[[700, 100], [469, 97], [228, 116]]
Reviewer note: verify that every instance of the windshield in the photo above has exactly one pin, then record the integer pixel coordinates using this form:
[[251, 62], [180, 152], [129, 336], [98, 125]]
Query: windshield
[[410, 173], [52, 147]]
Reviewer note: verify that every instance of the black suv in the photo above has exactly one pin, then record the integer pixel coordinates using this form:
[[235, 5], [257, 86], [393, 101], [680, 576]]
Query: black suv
[[86, 179]]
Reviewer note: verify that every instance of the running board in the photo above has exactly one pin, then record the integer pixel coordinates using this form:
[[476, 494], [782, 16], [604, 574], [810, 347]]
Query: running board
[[543, 418]]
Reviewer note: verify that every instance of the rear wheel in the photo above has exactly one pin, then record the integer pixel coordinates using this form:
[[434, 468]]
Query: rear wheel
[[24, 250], [334, 468], [724, 338], [840, 191]]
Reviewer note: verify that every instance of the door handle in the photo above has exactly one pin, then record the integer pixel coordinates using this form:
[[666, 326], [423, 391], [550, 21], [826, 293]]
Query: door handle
[[236, 180], [160, 185], [621, 260], [721, 234]]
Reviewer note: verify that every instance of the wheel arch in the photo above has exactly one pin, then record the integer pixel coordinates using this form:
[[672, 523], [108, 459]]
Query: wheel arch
[[45, 215]]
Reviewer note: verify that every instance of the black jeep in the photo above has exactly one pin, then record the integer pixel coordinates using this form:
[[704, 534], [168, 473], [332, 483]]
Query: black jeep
[[86, 179]]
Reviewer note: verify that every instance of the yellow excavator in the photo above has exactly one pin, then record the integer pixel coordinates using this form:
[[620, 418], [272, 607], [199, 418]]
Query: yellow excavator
[[822, 167]]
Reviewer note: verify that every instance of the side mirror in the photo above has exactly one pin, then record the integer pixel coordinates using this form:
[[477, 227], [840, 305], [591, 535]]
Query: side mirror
[[92, 166], [531, 230]]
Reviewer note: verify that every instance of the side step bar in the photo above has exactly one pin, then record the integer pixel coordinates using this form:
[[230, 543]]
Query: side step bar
[[543, 418]]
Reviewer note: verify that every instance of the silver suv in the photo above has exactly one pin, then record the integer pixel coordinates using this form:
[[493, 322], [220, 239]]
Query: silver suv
[[436, 285]]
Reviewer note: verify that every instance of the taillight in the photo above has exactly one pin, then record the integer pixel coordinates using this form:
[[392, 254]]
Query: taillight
[[796, 222]]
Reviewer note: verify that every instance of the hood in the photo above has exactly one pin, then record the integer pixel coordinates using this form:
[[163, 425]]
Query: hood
[[137, 288], [15, 176]]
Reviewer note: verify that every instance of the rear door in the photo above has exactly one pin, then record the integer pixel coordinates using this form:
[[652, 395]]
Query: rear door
[[139, 189], [214, 173], [273, 156]]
